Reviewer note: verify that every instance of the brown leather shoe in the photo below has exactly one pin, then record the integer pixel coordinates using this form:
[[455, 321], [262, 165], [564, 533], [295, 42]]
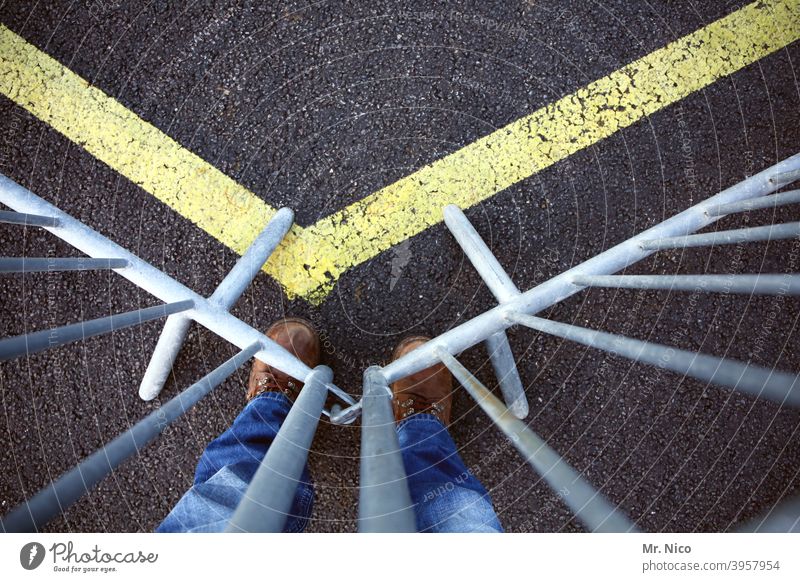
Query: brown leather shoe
[[429, 390], [300, 338]]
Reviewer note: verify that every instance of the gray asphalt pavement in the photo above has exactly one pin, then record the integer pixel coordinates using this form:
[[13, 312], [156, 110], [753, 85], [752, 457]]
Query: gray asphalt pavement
[[316, 105]]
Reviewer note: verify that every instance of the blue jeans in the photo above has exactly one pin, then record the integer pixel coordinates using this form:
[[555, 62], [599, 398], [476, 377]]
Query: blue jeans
[[446, 496]]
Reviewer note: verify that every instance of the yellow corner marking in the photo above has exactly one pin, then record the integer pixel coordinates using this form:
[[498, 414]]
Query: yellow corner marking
[[129, 145], [550, 134], [312, 259]]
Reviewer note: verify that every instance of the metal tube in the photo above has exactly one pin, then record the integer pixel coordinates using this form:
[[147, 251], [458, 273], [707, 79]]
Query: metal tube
[[384, 500], [347, 415], [339, 393], [38, 341], [589, 505], [250, 263], [229, 290], [761, 382], [780, 199], [725, 237], [152, 280], [268, 500], [560, 287], [783, 178], [481, 257], [164, 355], [10, 217], [41, 265], [784, 518], [505, 368], [63, 492], [788, 284]]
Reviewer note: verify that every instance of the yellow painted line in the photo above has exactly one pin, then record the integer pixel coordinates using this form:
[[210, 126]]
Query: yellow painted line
[[532, 143], [128, 144], [312, 259]]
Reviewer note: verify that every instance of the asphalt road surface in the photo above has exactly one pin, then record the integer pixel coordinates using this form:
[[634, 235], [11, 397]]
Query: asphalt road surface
[[316, 105]]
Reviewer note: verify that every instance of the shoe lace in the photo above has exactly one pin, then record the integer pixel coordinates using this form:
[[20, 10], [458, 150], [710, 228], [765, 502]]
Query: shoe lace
[[415, 404], [269, 383]]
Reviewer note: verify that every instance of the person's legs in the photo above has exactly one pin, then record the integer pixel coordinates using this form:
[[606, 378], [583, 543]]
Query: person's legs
[[227, 466], [447, 496], [230, 461]]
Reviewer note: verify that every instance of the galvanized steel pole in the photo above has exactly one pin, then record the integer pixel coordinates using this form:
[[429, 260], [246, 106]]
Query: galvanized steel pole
[[233, 285], [268, 500], [589, 505], [60, 494], [505, 368], [725, 237], [788, 284], [780, 387], [480, 255], [38, 341], [772, 201], [50, 265], [504, 289], [384, 500], [10, 217]]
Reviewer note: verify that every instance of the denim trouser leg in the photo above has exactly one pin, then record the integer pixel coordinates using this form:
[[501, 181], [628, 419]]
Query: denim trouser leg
[[227, 466], [446, 495]]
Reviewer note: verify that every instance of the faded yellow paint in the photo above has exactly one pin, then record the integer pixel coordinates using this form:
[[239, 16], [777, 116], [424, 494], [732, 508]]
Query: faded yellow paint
[[312, 259], [532, 143], [128, 144]]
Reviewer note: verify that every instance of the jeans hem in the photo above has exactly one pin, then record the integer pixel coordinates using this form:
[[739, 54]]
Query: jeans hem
[[280, 397], [422, 417]]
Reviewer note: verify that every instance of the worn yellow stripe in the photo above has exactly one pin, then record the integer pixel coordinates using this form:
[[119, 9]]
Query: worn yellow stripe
[[128, 144], [312, 259], [532, 143]]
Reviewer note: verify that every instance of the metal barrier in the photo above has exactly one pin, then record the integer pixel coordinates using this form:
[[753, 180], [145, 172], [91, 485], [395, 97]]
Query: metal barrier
[[268, 499], [516, 308], [182, 306], [385, 503]]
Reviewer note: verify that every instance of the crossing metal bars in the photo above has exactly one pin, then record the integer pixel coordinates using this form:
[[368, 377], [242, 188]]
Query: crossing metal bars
[[592, 508], [562, 286], [384, 503], [268, 500], [182, 305], [64, 491], [504, 290], [231, 288], [515, 307]]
